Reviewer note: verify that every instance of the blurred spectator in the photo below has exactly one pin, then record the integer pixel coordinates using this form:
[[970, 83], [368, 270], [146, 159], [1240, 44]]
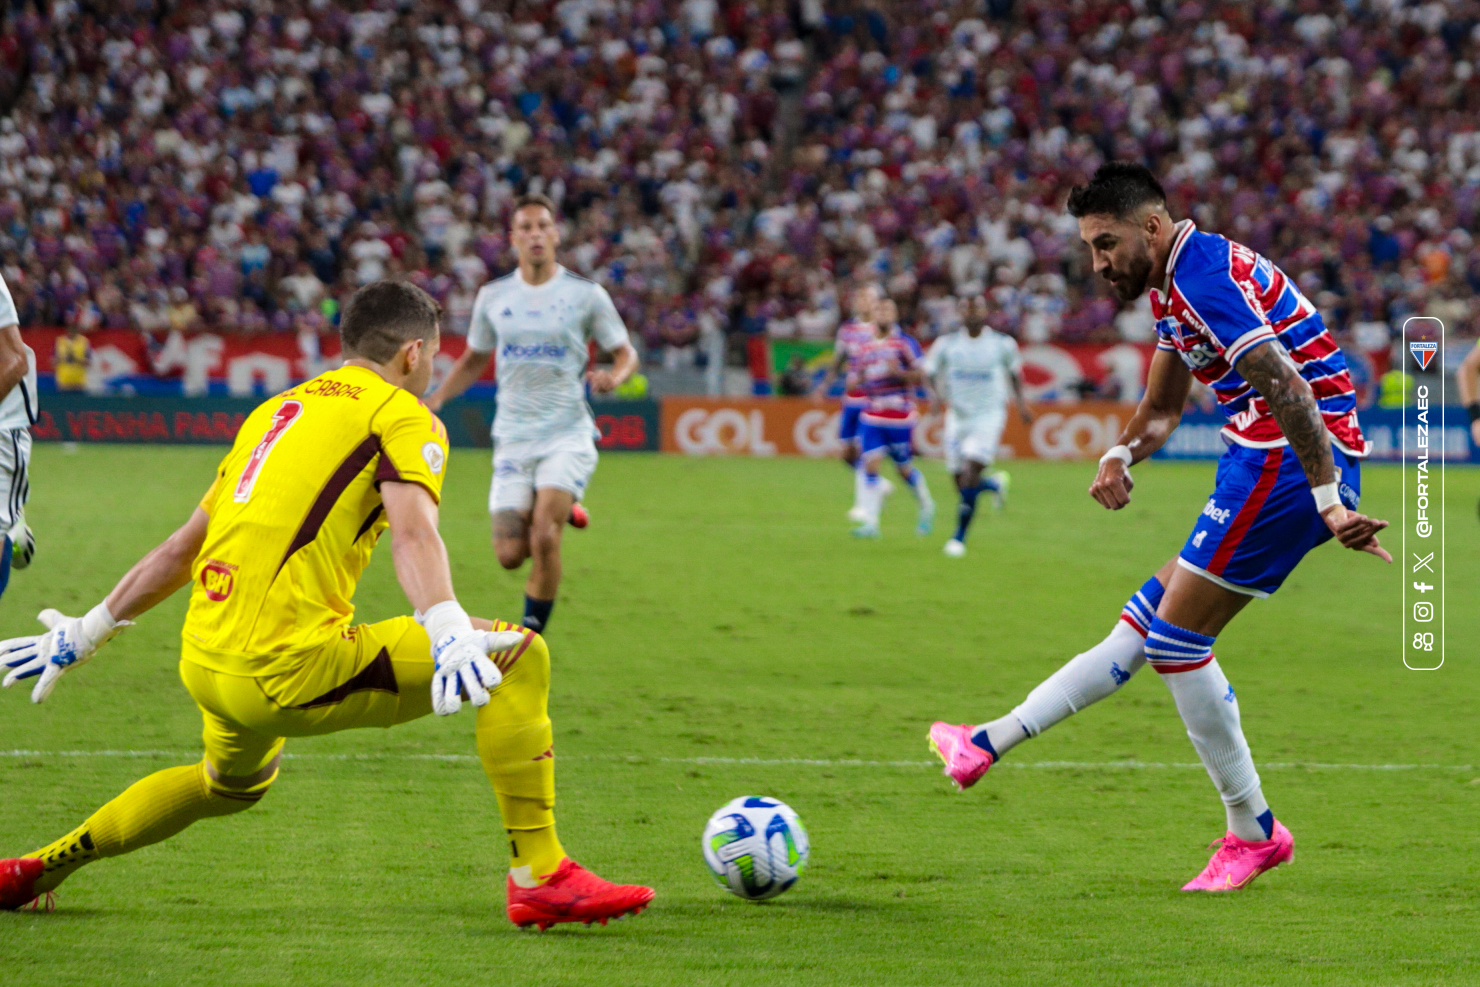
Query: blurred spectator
[[795, 380], [73, 353]]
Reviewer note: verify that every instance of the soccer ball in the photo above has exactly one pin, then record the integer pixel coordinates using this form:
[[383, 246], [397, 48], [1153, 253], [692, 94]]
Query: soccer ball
[[756, 847]]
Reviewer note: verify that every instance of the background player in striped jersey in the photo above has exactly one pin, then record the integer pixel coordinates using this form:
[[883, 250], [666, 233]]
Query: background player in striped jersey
[[891, 370], [852, 337], [541, 320], [1290, 481], [974, 368], [270, 650], [17, 414]]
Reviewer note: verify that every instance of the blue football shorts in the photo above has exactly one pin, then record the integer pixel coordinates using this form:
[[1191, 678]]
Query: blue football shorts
[[848, 426], [1261, 519], [897, 442]]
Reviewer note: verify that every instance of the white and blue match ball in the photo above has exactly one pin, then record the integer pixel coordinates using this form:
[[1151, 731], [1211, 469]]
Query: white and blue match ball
[[756, 847]]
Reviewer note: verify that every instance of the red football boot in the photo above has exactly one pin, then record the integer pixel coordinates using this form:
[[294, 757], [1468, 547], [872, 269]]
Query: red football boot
[[18, 881], [579, 517], [574, 894]]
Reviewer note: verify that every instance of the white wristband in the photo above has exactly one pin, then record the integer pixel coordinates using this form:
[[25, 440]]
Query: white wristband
[[444, 617], [1327, 496], [100, 626], [1122, 453]]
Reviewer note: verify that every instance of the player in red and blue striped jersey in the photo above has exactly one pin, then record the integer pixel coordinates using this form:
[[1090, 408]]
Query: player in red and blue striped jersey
[[1290, 481], [891, 370], [852, 337]]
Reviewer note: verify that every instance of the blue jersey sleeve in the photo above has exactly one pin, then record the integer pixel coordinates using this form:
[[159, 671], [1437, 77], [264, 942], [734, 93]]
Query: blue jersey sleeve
[[1224, 296]]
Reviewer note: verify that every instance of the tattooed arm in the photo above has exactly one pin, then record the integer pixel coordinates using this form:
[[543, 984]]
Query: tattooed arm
[[1269, 370], [1293, 405]]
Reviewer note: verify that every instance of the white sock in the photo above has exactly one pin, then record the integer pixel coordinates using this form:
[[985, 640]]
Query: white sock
[[871, 498], [1246, 819], [1209, 708], [921, 488], [1084, 680]]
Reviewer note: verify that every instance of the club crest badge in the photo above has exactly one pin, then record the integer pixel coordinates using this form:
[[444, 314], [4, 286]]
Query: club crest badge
[[1423, 353]]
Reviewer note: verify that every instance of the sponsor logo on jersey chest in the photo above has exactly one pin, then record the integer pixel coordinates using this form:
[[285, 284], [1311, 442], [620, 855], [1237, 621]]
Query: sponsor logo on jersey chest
[[218, 579], [1199, 355], [533, 351]]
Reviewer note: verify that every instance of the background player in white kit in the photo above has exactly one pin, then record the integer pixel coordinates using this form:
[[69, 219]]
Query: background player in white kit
[[17, 415], [540, 320], [973, 368]]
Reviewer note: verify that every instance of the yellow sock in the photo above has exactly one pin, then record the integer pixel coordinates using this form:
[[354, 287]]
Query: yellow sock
[[64, 856], [534, 854], [516, 745], [151, 809]]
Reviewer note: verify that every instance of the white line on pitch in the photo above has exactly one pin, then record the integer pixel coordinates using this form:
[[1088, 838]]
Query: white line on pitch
[[783, 761]]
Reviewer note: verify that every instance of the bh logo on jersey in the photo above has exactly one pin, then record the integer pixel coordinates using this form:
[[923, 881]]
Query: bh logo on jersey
[[218, 579]]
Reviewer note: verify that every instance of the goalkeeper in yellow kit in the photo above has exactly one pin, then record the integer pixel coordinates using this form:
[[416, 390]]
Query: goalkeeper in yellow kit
[[269, 650]]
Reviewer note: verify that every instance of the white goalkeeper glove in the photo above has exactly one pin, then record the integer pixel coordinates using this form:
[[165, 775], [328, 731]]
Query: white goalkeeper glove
[[68, 642], [461, 654]]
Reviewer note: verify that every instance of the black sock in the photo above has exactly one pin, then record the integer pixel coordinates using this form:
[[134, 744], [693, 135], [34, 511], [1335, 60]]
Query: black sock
[[537, 613], [966, 511]]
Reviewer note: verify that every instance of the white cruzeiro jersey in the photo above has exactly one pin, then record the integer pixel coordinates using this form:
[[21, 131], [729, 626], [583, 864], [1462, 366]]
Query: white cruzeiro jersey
[[18, 409], [539, 337], [976, 373]]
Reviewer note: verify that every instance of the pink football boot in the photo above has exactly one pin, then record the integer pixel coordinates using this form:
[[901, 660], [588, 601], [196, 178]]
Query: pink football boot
[[1238, 862], [965, 762]]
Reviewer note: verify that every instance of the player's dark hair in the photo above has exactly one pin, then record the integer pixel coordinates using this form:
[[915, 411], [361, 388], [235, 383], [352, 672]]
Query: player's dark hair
[[535, 199], [1118, 188], [383, 315]]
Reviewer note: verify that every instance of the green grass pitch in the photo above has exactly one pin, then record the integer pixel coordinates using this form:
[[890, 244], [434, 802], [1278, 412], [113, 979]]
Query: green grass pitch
[[720, 634]]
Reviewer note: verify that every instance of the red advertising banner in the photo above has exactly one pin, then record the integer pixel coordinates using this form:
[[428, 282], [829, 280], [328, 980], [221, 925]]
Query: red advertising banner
[[1050, 371], [204, 362], [801, 427], [265, 363]]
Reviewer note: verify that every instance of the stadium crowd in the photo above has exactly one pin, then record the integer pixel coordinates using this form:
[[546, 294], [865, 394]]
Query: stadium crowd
[[724, 167]]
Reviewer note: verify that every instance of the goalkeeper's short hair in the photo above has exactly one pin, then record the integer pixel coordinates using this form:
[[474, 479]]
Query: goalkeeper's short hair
[[384, 315]]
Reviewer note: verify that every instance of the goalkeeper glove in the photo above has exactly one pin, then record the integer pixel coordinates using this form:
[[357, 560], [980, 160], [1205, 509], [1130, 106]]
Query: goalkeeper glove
[[68, 642], [461, 654]]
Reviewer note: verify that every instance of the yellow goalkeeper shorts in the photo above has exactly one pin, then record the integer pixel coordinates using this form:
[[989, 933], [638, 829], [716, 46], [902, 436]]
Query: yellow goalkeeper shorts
[[370, 675]]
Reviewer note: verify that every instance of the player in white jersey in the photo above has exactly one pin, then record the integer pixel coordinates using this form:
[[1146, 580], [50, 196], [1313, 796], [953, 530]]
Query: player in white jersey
[[974, 368], [540, 321], [17, 415]]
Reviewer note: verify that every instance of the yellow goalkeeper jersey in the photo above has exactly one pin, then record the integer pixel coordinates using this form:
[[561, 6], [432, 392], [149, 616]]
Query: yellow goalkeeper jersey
[[295, 513]]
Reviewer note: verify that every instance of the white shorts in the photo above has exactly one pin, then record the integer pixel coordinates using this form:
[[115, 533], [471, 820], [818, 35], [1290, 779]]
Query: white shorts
[[972, 439], [15, 475], [520, 468]]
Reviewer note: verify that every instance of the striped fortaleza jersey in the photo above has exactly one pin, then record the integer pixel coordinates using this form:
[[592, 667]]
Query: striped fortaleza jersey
[[881, 367], [852, 337], [1219, 301]]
